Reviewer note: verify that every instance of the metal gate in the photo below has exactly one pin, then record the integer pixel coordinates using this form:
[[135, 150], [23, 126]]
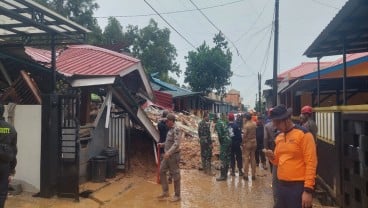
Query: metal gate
[[69, 146], [117, 136], [355, 160]]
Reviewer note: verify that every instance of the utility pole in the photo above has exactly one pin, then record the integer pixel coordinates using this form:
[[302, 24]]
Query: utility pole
[[259, 93], [275, 54]]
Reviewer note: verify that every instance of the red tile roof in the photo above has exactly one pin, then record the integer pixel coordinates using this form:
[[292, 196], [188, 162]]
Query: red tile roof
[[92, 60]]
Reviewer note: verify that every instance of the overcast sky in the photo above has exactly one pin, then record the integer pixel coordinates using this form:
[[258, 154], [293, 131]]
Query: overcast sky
[[246, 23]]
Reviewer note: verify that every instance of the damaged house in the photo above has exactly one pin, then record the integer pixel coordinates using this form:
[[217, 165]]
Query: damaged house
[[69, 103]]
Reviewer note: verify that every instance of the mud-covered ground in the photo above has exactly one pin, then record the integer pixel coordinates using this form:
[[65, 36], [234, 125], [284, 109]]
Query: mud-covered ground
[[137, 186]]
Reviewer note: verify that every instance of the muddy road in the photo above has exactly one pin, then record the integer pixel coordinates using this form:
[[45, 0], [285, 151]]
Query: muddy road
[[200, 190]]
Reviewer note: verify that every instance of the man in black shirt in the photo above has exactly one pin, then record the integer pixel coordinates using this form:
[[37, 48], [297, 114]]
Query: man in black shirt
[[163, 129], [236, 140]]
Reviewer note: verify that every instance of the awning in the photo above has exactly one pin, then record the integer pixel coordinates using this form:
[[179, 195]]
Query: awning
[[29, 21], [349, 26], [332, 84]]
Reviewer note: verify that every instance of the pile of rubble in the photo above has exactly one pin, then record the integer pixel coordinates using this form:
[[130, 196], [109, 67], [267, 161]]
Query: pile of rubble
[[189, 146]]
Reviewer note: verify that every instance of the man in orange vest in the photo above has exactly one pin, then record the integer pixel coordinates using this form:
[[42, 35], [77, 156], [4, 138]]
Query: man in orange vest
[[296, 159]]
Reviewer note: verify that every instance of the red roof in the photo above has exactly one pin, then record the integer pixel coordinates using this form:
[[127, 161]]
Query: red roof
[[302, 69], [309, 67], [85, 60], [349, 57], [92, 60], [163, 99]]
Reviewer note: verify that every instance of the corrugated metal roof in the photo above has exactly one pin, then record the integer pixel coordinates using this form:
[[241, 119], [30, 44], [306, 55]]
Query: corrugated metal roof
[[351, 60], [92, 60], [349, 57], [302, 69], [85, 60], [349, 26], [163, 99]]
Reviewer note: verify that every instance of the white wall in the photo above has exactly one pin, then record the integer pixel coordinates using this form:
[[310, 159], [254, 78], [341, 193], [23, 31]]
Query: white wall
[[27, 122]]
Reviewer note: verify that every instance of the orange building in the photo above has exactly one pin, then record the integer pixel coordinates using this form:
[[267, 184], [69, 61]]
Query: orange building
[[233, 97]]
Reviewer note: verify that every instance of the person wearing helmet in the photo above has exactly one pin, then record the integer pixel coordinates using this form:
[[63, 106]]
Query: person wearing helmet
[[296, 159], [8, 152], [307, 122], [249, 146]]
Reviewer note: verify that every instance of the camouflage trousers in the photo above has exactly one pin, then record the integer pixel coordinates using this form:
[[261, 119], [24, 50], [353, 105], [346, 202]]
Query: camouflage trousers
[[206, 155], [225, 152]]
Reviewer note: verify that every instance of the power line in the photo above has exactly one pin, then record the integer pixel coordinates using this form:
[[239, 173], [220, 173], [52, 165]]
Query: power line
[[208, 19], [172, 27], [172, 12], [324, 4], [252, 25], [267, 54]]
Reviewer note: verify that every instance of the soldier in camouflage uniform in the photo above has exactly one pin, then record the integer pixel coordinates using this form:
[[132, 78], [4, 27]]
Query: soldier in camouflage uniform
[[225, 147], [205, 141]]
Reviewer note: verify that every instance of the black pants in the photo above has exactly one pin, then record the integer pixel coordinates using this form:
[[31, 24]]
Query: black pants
[[289, 194], [260, 155], [236, 154], [4, 182]]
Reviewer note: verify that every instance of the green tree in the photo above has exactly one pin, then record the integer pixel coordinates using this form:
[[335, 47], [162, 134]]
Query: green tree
[[113, 32], [80, 11], [208, 69], [152, 46]]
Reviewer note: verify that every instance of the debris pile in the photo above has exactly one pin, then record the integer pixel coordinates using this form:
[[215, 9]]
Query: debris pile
[[189, 146]]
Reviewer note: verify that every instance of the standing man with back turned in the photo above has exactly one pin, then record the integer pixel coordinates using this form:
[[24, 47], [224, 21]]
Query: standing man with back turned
[[205, 141], [225, 147], [8, 152], [236, 141]]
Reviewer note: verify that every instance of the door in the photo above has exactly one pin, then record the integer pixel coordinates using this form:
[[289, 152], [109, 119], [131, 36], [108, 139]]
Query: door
[[69, 146]]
